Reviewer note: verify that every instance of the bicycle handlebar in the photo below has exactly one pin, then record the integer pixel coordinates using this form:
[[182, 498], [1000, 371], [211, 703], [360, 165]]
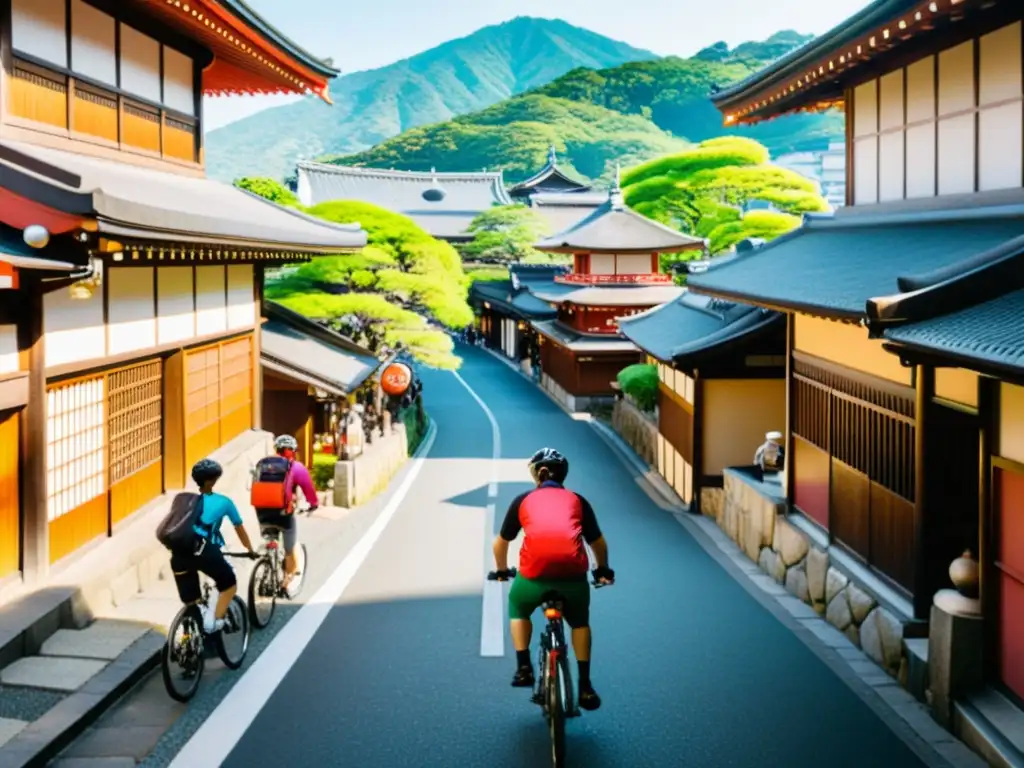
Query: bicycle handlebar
[[511, 574], [249, 555]]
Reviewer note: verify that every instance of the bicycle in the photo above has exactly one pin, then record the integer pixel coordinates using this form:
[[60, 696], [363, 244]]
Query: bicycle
[[267, 577], [189, 653], [554, 687]]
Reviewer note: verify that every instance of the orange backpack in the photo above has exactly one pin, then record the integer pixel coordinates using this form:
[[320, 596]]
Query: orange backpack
[[270, 481]]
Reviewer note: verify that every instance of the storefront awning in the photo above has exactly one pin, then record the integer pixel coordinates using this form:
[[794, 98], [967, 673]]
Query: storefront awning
[[298, 348], [832, 267], [129, 201], [696, 327]]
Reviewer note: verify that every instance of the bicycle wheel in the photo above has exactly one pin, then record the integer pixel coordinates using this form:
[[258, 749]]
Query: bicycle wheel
[[183, 656], [233, 641], [557, 711], [301, 564], [263, 588]]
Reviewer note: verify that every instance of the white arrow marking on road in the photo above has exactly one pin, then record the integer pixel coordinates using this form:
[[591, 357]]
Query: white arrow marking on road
[[210, 746], [492, 619]]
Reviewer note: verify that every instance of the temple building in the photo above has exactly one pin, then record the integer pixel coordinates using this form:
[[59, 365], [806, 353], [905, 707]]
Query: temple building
[[130, 285], [904, 444], [548, 180], [616, 273], [560, 198], [722, 387], [443, 204]]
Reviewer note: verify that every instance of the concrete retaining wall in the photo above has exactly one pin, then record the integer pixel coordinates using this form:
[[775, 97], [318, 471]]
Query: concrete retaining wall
[[360, 479], [758, 523]]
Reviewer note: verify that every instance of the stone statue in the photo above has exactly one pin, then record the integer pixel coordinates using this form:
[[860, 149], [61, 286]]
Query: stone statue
[[771, 456]]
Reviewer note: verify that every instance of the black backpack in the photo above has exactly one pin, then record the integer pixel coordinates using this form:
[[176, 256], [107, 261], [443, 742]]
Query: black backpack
[[176, 531]]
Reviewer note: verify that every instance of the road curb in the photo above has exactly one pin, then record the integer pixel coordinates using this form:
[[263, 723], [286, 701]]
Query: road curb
[[44, 739]]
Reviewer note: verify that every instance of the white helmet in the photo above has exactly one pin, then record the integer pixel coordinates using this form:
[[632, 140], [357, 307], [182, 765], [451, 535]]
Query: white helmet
[[286, 442]]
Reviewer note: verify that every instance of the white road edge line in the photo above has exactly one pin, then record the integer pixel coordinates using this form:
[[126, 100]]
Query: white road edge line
[[211, 744], [492, 615]]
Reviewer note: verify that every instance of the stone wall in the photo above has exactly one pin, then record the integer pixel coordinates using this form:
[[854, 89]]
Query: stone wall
[[639, 430], [358, 480], [755, 518]]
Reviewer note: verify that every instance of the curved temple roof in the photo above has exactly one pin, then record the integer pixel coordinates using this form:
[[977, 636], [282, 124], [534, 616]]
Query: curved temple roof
[[615, 228], [443, 204]]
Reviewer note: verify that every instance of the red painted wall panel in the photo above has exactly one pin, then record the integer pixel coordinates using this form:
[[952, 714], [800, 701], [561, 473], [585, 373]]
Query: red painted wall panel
[[1009, 504], [810, 480]]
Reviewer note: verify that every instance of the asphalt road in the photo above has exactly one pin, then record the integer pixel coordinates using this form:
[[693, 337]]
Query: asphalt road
[[693, 669]]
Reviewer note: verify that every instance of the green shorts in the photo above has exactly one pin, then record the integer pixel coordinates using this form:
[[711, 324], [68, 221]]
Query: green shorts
[[527, 595]]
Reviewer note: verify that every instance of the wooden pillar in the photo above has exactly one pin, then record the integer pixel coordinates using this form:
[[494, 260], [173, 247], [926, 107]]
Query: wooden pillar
[[698, 440], [988, 413], [924, 389], [35, 527], [789, 468], [175, 470], [257, 349]]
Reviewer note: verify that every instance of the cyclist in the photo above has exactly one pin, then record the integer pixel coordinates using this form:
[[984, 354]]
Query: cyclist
[[556, 522], [206, 555], [298, 476]]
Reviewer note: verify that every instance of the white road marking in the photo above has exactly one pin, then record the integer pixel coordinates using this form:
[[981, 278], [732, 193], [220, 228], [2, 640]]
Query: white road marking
[[223, 729], [492, 619]]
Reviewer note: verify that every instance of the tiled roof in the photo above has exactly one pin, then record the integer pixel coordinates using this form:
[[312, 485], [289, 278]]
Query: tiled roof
[[834, 266], [443, 204], [579, 342], [520, 303], [693, 324], [615, 228], [131, 201], [988, 337]]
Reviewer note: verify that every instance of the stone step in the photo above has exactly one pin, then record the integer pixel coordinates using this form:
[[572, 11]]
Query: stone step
[[51, 673], [103, 639], [9, 728]]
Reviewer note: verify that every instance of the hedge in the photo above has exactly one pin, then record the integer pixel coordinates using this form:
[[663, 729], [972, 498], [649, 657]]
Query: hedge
[[640, 382]]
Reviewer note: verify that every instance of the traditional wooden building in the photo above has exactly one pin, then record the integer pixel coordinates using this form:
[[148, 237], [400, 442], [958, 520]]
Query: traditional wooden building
[[130, 346], [558, 197], [933, 95], [549, 179], [616, 273], [443, 204], [506, 307], [721, 368], [309, 371]]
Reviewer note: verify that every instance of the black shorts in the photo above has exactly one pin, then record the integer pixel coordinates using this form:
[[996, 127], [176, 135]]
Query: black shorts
[[187, 567], [273, 518]]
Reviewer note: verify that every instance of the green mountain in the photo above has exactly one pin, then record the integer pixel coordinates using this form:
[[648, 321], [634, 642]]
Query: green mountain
[[455, 78], [629, 114]]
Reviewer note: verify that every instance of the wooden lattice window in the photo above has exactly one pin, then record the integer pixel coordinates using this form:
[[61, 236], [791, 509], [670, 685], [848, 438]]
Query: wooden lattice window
[[203, 397], [135, 401], [75, 445]]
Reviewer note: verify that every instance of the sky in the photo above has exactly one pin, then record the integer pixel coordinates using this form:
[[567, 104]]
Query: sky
[[367, 35]]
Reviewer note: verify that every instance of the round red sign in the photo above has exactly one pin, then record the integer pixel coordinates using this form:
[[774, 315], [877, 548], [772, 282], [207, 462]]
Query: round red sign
[[396, 379]]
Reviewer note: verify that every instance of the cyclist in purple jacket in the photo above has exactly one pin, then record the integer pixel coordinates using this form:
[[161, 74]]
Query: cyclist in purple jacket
[[286, 447]]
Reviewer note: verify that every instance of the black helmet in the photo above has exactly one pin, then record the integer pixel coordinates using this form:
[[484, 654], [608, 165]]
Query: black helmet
[[206, 469], [556, 464]]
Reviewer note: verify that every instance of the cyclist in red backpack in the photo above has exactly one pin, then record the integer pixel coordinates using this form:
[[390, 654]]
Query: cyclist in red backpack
[[281, 515]]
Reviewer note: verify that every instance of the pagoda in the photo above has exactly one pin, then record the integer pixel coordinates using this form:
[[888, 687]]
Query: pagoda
[[548, 180], [616, 273]]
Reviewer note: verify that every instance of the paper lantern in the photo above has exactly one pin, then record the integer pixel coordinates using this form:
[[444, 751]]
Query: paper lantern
[[396, 379]]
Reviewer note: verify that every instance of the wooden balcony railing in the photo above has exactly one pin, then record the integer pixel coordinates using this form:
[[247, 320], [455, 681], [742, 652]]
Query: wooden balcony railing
[[63, 100], [653, 278]]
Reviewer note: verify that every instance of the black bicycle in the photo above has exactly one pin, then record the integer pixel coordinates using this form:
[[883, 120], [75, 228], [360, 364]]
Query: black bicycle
[[554, 690], [184, 654], [267, 578]]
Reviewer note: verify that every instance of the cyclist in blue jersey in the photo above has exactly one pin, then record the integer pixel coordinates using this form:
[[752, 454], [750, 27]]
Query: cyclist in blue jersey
[[206, 555]]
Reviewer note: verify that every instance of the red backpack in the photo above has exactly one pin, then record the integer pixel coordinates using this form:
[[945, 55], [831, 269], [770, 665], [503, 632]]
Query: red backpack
[[271, 479]]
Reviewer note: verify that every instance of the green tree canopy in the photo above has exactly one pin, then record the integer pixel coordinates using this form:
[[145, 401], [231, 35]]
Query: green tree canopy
[[505, 234], [403, 289], [702, 191], [273, 190]]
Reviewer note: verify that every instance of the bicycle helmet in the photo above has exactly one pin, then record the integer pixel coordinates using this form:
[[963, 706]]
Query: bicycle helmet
[[550, 459], [206, 469], [286, 443]]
